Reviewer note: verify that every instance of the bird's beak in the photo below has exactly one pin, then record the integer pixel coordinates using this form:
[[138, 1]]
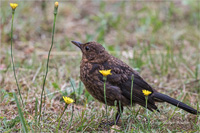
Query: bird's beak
[[78, 44]]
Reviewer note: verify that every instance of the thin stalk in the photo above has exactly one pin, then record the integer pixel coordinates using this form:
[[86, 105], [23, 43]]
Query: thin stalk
[[55, 13], [105, 78], [57, 128], [71, 117], [73, 89], [132, 78], [197, 112], [59, 119], [146, 99], [117, 110], [21, 115], [72, 105], [36, 111], [13, 13], [62, 113], [120, 110]]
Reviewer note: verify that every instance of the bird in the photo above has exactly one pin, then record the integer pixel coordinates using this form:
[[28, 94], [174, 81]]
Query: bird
[[122, 82]]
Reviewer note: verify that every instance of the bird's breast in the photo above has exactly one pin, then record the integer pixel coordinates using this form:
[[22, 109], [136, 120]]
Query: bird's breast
[[89, 75], [89, 72], [84, 72]]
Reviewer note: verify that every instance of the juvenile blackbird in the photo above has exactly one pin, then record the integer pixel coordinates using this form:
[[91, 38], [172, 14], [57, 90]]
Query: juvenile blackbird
[[118, 85]]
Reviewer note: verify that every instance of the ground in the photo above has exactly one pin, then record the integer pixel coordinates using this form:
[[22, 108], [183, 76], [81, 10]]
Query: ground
[[159, 39]]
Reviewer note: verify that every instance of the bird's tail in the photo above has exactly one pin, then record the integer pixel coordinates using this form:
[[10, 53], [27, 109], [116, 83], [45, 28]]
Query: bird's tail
[[164, 98]]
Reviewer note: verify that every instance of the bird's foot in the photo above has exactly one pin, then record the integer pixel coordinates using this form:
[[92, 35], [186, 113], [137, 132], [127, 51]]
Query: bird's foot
[[106, 124]]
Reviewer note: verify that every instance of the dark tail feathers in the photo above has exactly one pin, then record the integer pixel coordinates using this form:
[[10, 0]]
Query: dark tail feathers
[[165, 98]]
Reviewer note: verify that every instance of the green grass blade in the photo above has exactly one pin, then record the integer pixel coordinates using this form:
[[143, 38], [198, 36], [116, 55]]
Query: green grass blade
[[36, 111], [21, 116]]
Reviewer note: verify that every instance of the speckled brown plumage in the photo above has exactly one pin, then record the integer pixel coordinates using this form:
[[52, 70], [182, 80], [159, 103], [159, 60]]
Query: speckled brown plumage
[[118, 85]]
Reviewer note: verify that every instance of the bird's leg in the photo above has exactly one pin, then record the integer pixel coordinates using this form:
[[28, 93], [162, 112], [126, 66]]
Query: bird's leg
[[117, 116], [119, 112]]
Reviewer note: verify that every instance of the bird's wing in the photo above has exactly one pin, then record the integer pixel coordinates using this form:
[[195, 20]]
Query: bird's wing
[[123, 76]]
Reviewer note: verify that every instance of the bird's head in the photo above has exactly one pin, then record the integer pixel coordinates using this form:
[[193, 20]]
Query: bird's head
[[92, 52]]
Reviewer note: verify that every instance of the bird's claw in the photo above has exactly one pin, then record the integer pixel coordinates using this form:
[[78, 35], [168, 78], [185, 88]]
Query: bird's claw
[[106, 124]]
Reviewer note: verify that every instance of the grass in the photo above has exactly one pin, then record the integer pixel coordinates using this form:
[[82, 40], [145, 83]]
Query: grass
[[158, 39]]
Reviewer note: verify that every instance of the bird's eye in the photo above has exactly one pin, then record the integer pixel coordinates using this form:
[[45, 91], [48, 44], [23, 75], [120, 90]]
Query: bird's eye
[[87, 48]]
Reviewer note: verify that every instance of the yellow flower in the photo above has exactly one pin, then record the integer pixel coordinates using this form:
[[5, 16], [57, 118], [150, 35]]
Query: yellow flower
[[68, 100], [13, 5], [56, 4], [105, 72], [146, 92]]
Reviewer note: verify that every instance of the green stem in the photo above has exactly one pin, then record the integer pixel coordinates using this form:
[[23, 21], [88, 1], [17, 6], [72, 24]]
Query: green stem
[[13, 13], [73, 89], [36, 112], [105, 78], [62, 112], [132, 78], [120, 111], [60, 118], [57, 128], [146, 99], [72, 105], [71, 116], [55, 13]]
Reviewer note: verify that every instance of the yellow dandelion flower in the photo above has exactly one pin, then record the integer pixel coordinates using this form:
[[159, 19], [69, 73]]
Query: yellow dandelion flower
[[105, 72], [13, 5], [68, 100], [56, 4], [146, 92]]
